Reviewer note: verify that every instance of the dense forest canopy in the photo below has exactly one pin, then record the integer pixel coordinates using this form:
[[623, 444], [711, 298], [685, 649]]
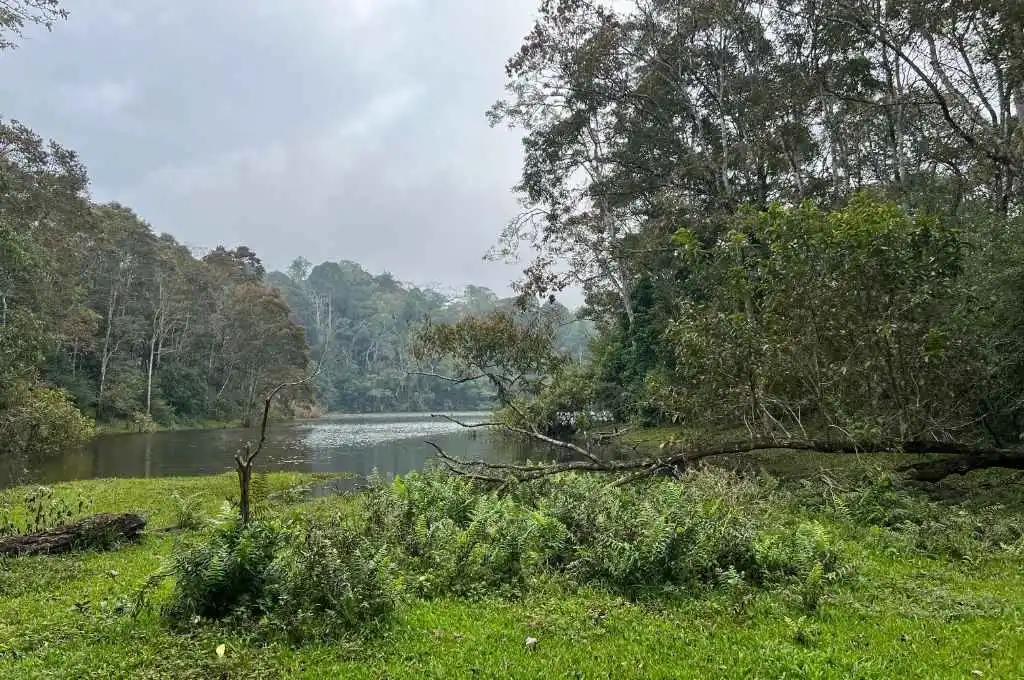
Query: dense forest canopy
[[99, 315]]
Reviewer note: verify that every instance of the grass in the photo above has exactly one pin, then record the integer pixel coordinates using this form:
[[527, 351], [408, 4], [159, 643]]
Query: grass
[[904, 613]]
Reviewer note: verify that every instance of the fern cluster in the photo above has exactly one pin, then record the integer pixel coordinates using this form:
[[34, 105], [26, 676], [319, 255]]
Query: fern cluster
[[225, 573], [327, 579], [911, 520], [303, 580], [452, 538]]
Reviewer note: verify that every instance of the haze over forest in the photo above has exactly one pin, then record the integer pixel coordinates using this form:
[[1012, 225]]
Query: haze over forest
[[331, 129]]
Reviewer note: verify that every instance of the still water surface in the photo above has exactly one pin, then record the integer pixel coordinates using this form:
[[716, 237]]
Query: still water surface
[[358, 444]]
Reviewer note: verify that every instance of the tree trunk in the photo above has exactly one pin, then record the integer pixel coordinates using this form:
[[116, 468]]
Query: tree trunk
[[97, 531], [149, 369]]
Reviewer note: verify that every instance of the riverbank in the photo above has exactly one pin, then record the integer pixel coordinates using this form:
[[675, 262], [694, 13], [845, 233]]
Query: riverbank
[[922, 596], [128, 427]]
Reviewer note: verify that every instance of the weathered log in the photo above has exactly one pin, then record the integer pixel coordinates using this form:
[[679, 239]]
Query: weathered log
[[97, 531]]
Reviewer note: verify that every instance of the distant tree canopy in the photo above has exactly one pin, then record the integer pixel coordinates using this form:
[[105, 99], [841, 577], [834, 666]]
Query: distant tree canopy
[[372, 323]]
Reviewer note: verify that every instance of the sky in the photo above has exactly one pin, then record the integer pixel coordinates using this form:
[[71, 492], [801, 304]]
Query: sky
[[330, 129]]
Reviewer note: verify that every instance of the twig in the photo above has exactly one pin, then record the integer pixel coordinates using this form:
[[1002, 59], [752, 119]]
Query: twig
[[462, 424]]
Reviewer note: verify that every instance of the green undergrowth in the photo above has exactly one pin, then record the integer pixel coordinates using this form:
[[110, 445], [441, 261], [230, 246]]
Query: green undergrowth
[[841, 573]]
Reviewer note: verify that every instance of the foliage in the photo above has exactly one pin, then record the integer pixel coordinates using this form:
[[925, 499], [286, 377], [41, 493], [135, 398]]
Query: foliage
[[911, 520], [188, 515], [15, 15], [810, 226], [329, 580], [452, 538], [37, 510], [914, 613], [374, 323], [830, 319], [224, 574], [94, 302], [313, 581]]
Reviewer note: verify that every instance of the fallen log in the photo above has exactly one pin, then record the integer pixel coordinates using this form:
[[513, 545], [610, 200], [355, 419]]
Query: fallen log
[[97, 531], [965, 458]]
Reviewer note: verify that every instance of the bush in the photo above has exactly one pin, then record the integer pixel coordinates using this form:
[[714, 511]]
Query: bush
[[188, 514], [225, 574], [329, 579], [305, 582], [452, 538], [879, 499]]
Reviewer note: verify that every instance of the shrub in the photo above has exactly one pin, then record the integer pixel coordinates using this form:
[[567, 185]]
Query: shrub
[[329, 579], [225, 573], [305, 582], [878, 498], [451, 538], [188, 514], [658, 534]]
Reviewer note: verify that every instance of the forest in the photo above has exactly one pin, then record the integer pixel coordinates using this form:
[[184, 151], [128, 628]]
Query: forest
[[782, 437], [795, 220], [104, 320]]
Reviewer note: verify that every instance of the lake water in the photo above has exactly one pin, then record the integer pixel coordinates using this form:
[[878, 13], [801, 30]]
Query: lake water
[[358, 444]]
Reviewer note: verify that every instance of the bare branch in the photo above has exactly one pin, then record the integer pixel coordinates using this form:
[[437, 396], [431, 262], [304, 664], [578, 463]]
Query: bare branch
[[462, 424], [455, 381]]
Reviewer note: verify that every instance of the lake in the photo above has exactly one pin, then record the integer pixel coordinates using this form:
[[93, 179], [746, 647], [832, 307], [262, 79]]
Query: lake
[[358, 444]]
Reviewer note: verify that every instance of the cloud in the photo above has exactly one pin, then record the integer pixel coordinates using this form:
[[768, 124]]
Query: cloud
[[100, 98], [275, 162], [333, 129]]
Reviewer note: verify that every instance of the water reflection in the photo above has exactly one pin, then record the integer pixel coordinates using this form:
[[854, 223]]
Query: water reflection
[[391, 443]]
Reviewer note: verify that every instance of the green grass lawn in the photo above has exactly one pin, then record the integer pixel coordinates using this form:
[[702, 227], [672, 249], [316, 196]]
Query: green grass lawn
[[901, 614]]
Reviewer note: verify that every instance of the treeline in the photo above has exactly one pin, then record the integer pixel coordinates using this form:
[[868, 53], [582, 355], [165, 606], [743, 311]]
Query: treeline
[[787, 216], [366, 324], [102, 318]]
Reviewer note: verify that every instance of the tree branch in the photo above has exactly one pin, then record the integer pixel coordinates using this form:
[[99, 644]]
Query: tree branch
[[967, 459], [455, 381]]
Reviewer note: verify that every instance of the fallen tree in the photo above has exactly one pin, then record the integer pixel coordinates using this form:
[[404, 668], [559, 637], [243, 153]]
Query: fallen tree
[[521, 363], [97, 531], [958, 458]]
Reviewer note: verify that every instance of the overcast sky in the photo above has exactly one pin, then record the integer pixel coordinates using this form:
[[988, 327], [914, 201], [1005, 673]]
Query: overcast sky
[[332, 129]]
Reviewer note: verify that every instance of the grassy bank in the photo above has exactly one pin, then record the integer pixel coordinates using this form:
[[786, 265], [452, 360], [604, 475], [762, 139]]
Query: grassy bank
[[924, 592]]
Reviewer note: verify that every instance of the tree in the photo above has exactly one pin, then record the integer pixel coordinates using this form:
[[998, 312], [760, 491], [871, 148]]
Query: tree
[[15, 15]]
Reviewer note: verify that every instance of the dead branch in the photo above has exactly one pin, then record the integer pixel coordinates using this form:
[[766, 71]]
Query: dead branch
[[967, 459], [448, 378], [533, 432], [245, 459], [463, 424]]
